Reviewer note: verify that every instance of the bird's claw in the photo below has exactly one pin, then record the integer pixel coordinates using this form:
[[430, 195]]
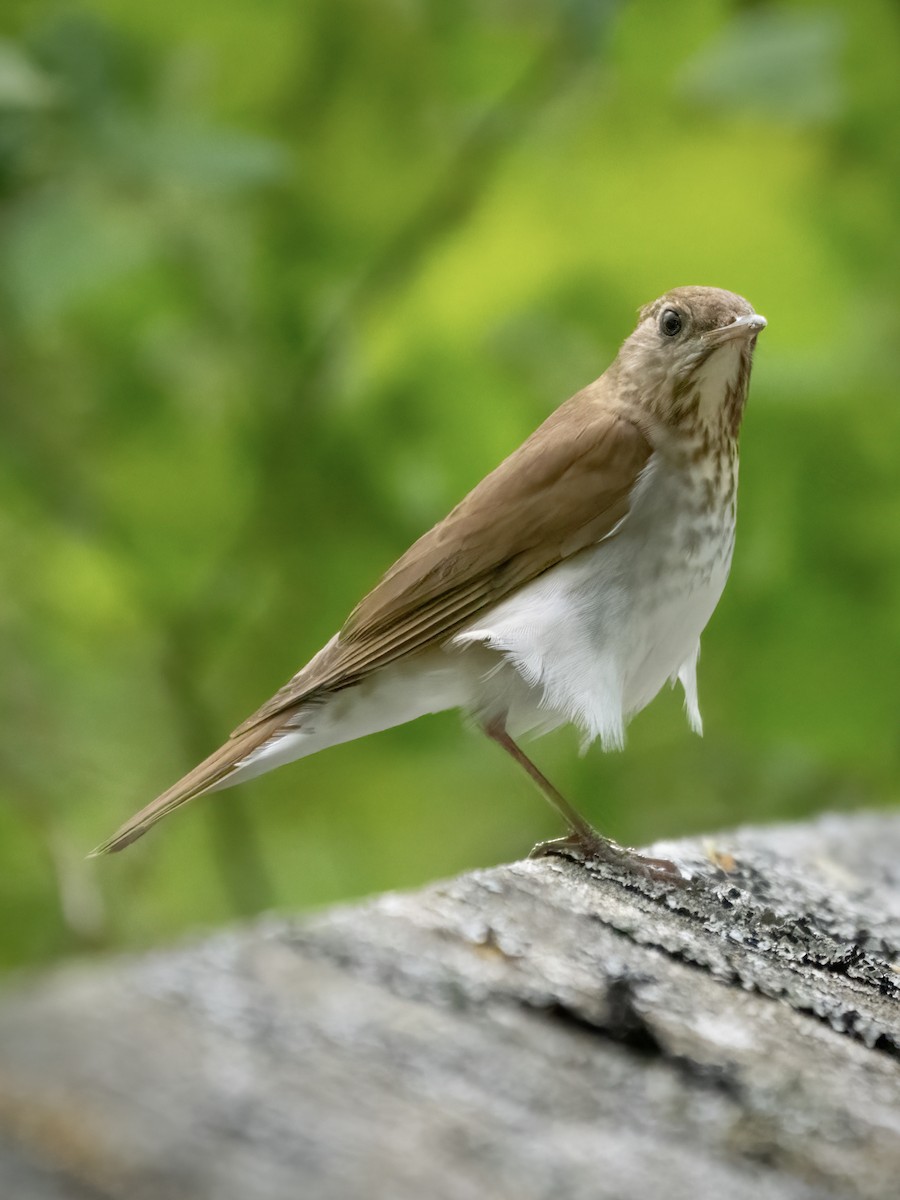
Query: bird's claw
[[590, 846]]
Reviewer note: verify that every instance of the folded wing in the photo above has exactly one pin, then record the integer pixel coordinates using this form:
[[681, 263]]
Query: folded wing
[[567, 487]]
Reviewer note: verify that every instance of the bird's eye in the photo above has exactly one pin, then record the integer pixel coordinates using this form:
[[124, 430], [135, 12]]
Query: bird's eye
[[670, 322]]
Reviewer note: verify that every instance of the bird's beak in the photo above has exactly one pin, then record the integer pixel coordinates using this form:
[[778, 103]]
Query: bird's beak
[[748, 326]]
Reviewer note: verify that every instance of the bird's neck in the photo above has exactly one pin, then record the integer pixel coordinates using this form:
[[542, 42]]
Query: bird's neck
[[719, 390], [706, 457], [706, 395]]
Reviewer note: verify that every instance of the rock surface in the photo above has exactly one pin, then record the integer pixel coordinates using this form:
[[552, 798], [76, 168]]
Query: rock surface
[[544, 1029]]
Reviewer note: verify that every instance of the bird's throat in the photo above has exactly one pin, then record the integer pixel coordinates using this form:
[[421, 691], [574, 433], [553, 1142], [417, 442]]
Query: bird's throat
[[720, 385]]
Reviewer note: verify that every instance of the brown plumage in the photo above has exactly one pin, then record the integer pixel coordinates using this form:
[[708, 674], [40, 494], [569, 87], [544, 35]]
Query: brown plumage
[[564, 488], [567, 489]]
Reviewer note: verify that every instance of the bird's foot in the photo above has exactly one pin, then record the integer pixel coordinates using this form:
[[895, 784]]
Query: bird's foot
[[589, 845]]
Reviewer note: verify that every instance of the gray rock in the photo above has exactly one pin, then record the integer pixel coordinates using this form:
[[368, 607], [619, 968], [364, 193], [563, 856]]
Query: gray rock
[[545, 1029]]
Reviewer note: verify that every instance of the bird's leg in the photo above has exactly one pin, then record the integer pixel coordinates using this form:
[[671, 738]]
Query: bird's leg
[[582, 836], [496, 731]]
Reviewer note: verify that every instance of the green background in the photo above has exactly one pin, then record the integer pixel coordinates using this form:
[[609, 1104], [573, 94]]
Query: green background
[[280, 281]]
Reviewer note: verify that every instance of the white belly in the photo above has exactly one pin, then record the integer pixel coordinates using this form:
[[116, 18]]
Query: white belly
[[598, 636], [590, 642]]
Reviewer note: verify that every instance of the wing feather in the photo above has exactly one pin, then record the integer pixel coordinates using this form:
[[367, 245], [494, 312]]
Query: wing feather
[[564, 489]]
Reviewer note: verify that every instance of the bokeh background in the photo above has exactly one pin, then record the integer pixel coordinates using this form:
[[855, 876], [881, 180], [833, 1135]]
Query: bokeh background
[[279, 282]]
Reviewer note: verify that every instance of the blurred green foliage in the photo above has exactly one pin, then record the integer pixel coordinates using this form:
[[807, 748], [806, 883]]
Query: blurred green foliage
[[280, 282]]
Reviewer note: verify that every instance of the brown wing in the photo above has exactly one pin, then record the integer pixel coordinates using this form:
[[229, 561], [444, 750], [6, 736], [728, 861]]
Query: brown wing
[[564, 489]]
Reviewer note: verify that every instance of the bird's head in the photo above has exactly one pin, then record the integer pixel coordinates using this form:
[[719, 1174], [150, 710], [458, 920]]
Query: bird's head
[[688, 361]]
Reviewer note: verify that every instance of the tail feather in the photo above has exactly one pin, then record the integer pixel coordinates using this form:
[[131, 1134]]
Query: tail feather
[[211, 773]]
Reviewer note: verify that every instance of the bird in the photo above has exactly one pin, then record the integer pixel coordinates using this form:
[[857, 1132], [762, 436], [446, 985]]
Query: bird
[[567, 587]]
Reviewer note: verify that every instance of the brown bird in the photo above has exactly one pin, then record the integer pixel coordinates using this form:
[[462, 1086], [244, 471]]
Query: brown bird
[[568, 586]]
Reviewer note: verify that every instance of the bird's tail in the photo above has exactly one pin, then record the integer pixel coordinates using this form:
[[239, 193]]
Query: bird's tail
[[221, 769]]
